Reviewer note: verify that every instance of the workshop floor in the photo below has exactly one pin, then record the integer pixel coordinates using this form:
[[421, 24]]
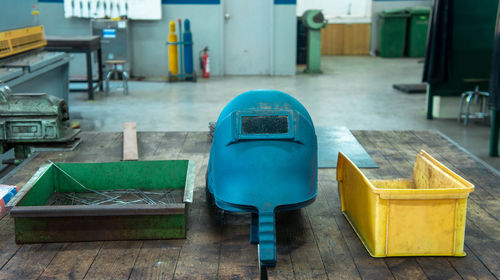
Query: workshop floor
[[355, 92]]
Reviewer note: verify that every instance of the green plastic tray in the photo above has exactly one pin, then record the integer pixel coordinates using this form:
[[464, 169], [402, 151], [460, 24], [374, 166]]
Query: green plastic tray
[[36, 222]]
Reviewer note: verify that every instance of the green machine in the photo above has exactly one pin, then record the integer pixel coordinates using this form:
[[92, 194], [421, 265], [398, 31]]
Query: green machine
[[314, 21], [28, 119]]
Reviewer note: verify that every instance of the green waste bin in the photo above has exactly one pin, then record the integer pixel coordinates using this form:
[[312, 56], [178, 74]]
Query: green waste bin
[[417, 34], [393, 32]]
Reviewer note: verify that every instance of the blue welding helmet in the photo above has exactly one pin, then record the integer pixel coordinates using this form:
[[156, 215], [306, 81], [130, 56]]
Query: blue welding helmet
[[263, 157]]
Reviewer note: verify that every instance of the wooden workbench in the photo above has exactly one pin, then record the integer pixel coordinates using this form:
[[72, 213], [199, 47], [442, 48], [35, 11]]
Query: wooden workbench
[[315, 242]]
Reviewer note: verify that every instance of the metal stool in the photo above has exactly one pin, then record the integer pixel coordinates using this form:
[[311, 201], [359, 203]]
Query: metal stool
[[116, 70], [479, 96]]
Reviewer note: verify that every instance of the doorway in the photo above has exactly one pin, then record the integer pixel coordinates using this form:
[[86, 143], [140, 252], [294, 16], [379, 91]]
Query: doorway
[[247, 37]]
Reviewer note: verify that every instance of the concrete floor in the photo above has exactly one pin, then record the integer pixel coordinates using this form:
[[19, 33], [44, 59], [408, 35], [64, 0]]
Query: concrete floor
[[355, 92]]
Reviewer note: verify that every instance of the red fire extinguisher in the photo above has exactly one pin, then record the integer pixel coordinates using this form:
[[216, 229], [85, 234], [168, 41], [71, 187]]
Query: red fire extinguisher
[[205, 63]]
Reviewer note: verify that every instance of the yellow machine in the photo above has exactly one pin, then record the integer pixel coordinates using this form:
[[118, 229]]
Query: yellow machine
[[20, 40], [173, 63]]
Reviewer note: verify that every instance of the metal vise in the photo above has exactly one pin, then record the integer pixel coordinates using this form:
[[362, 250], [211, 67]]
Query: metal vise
[[33, 117]]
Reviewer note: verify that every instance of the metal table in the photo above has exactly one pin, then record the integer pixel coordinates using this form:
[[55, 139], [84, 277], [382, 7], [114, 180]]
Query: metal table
[[81, 44]]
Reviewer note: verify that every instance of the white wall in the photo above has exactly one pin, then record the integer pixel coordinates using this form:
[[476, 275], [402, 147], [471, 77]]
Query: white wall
[[150, 56], [149, 38], [16, 14], [336, 8], [285, 40]]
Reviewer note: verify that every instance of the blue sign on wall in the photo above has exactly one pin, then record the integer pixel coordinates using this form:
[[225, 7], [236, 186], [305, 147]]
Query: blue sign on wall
[[285, 2], [109, 33]]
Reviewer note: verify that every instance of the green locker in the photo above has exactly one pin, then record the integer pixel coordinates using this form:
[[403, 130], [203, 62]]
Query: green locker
[[460, 48]]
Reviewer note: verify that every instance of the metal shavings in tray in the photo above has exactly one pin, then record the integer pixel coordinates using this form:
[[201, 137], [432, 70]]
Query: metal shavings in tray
[[118, 197]]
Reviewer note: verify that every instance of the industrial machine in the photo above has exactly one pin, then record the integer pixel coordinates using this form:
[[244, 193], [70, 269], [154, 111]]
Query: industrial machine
[[30, 118], [313, 21], [263, 159], [26, 119], [26, 67], [115, 41]]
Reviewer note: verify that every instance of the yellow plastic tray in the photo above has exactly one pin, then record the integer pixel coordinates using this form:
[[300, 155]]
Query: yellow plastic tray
[[422, 216]]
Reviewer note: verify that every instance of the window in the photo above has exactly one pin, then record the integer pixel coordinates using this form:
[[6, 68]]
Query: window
[[264, 124]]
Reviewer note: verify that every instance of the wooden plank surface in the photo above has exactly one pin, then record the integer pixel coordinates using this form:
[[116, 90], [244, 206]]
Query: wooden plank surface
[[332, 39], [157, 259], [313, 243], [72, 261], [30, 261], [345, 39], [357, 39], [115, 260], [130, 150]]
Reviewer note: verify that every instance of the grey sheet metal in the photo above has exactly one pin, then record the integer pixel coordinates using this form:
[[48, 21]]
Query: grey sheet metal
[[36, 61], [7, 74], [331, 140]]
